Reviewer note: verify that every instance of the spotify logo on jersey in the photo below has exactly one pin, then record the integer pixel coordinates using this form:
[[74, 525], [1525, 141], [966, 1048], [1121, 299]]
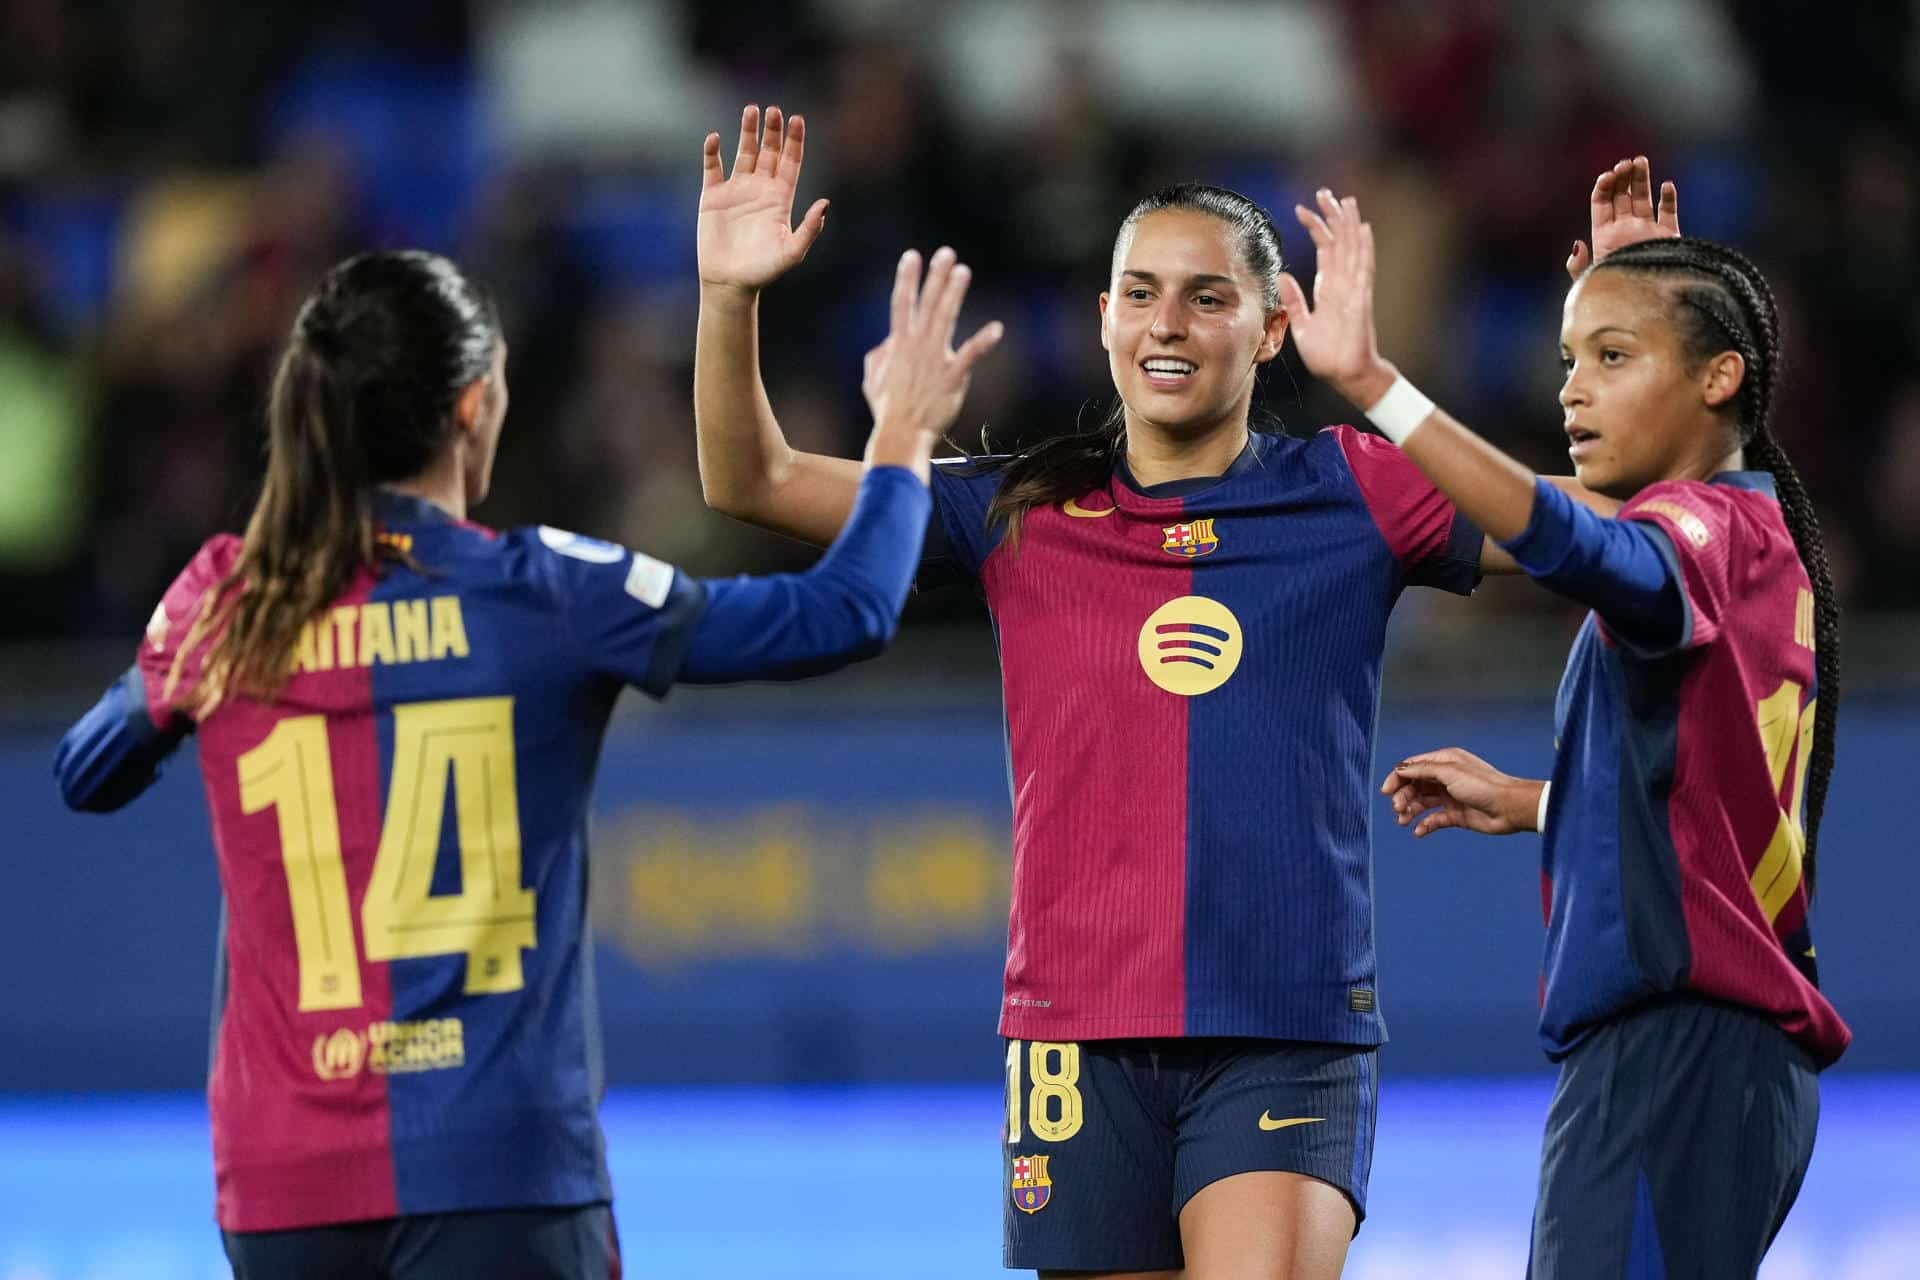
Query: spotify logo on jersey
[[1190, 645]]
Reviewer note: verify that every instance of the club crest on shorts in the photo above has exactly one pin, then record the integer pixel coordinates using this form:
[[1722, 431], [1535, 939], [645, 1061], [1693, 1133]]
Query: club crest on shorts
[[1195, 538], [1032, 1188]]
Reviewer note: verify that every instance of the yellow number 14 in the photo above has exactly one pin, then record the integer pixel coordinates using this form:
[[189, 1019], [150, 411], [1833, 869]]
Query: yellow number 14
[[491, 919]]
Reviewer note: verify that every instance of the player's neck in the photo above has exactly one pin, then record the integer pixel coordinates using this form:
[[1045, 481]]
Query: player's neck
[[443, 484], [1157, 457]]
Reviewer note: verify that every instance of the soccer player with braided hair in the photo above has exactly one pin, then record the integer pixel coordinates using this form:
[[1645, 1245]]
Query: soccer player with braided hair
[[1680, 995]]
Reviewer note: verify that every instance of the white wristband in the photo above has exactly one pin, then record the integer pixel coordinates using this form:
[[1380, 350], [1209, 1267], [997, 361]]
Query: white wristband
[[1540, 815], [1399, 411]]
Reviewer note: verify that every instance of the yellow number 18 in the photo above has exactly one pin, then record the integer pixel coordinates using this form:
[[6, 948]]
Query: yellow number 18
[[491, 919], [1055, 1069]]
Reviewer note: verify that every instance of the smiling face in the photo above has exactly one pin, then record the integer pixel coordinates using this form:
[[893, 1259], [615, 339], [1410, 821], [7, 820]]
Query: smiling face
[[1638, 407], [1185, 325]]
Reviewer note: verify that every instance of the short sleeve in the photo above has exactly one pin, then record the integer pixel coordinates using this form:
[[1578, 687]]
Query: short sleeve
[[625, 614], [1697, 524], [167, 630], [1434, 544], [958, 540]]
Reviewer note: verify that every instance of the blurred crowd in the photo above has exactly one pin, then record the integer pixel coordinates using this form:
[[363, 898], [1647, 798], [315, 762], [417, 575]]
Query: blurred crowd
[[175, 173]]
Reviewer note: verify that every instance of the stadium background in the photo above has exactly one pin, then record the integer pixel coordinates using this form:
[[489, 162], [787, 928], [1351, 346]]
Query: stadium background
[[801, 893]]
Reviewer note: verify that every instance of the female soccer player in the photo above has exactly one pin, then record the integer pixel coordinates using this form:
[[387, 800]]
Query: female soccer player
[[399, 716], [1681, 997], [1190, 618]]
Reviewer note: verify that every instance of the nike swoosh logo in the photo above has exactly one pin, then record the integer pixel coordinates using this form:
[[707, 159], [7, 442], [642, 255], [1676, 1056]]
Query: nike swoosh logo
[[1073, 508], [1269, 1123]]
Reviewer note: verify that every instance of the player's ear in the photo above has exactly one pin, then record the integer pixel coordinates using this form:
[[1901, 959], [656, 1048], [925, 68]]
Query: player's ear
[[1106, 334], [470, 408], [1721, 378], [1274, 337]]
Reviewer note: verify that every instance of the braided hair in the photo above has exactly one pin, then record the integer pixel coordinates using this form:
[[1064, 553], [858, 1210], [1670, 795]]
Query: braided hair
[[1721, 302]]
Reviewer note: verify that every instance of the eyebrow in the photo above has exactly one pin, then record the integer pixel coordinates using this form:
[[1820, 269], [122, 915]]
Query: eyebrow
[[1151, 278]]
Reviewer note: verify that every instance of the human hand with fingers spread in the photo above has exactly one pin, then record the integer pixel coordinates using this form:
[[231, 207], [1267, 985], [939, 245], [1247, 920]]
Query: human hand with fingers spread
[[745, 235], [1623, 213], [1455, 788], [915, 381], [1335, 335]]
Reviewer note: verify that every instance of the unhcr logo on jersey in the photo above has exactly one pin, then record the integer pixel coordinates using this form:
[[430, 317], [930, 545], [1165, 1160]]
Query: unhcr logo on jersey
[[1190, 645], [390, 1048]]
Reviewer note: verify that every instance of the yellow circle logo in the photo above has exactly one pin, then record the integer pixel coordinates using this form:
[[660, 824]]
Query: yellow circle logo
[[1190, 646]]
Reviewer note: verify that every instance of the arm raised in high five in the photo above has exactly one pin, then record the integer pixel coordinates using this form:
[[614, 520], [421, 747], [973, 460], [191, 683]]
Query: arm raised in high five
[[746, 241], [1613, 566]]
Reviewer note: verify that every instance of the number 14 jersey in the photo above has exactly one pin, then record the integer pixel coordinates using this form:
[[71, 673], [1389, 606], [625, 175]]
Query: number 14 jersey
[[406, 1021]]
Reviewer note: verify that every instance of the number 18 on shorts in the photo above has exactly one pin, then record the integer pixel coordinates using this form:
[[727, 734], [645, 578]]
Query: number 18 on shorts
[[1107, 1140]]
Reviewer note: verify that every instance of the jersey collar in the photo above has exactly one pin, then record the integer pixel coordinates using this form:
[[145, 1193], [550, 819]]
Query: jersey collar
[[1248, 459], [1752, 481], [391, 507]]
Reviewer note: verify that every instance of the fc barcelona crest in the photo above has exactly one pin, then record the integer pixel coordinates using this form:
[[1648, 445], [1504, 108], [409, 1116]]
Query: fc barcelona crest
[[1189, 540], [1032, 1188]]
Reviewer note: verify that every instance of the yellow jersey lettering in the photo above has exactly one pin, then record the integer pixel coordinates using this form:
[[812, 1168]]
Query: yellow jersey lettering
[[410, 632], [449, 631], [305, 656], [344, 619], [376, 634]]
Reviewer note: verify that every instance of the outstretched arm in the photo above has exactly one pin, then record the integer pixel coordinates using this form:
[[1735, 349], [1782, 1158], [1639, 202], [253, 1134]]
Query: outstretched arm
[[746, 241], [1455, 788], [1613, 565], [846, 607]]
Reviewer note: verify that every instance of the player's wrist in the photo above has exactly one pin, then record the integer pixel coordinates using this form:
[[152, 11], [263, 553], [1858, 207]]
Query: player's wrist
[[1398, 409], [1530, 804], [724, 296], [1364, 388]]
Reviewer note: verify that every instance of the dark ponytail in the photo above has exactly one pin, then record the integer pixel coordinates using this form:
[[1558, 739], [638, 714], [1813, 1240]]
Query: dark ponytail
[[364, 394], [1068, 466], [1725, 302]]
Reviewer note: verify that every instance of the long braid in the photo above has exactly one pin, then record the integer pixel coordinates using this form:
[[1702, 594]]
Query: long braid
[[1729, 302]]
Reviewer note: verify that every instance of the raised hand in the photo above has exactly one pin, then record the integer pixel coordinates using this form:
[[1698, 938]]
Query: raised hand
[[1335, 336], [915, 380], [1623, 213], [746, 238], [1455, 788]]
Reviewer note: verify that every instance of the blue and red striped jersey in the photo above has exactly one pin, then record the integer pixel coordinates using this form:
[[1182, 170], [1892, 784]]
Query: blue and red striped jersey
[[407, 1022], [401, 843], [1672, 853], [1191, 676]]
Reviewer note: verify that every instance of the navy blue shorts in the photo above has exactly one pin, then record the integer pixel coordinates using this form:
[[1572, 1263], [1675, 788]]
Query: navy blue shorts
[[1677, 1140], [1107, 1140], [574, 1243]]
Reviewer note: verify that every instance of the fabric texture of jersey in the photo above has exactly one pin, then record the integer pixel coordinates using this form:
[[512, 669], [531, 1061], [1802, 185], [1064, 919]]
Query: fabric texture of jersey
[[1673, 844], [1192, 676], [463, 1072]]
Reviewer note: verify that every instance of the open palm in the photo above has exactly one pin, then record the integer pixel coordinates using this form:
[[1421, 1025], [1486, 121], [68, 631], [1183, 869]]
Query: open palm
[[1335, 334], [746, 238]]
